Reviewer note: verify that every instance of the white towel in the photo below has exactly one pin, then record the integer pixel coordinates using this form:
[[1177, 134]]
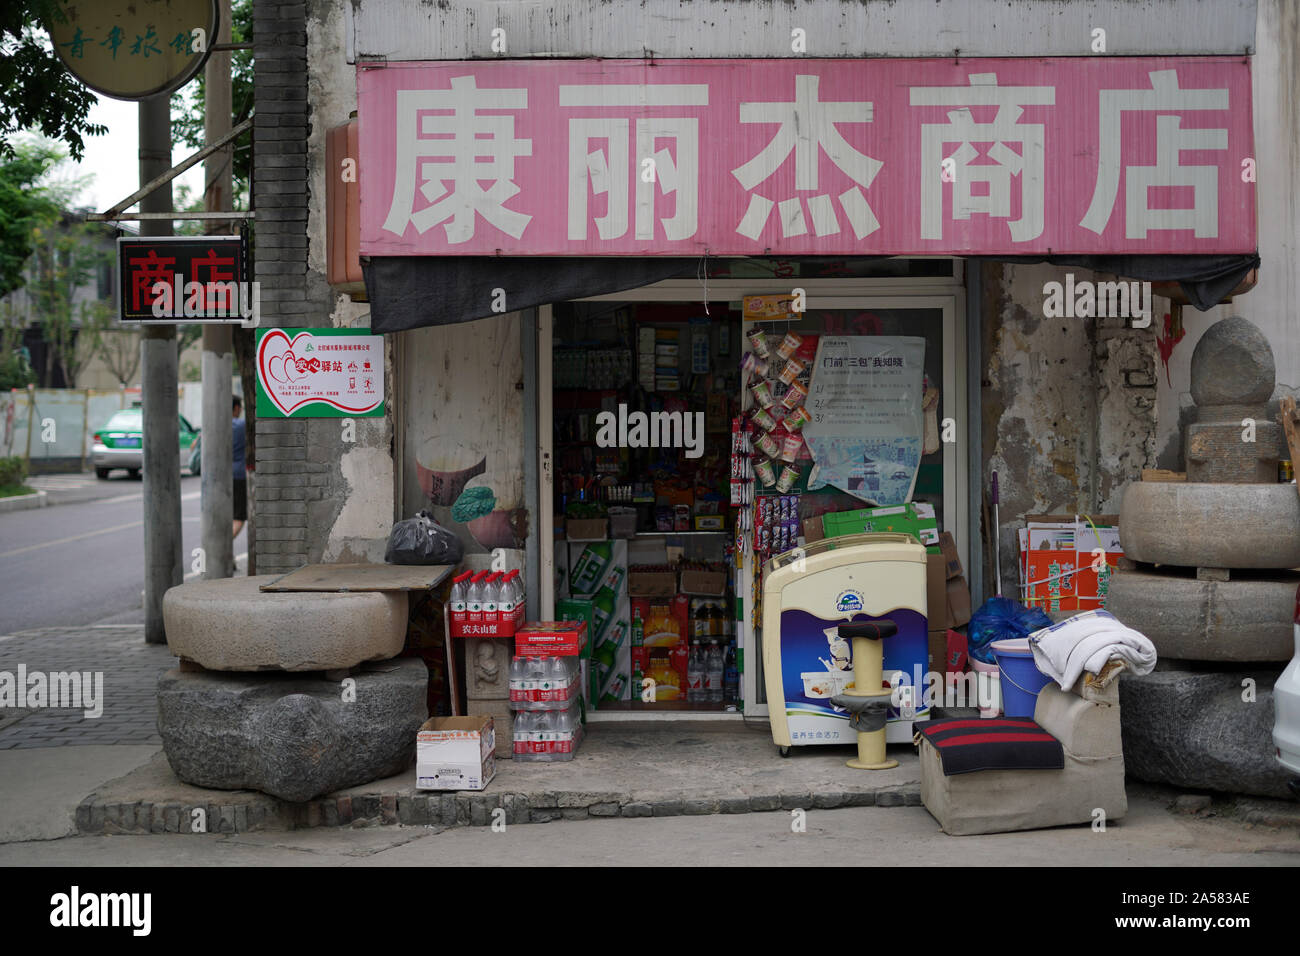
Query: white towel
[[1086, 642]]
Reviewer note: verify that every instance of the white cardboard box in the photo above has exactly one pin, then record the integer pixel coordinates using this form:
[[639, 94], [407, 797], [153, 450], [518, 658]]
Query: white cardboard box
[[455, 753]]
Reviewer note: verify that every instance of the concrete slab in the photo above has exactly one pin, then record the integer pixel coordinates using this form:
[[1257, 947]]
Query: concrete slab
[[616, 773], [1196, 524], [1243, 620], [42, 787], [228, 624]]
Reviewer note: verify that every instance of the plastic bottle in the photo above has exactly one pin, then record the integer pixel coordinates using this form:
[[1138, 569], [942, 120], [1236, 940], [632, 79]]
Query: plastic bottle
[[474, 599], [523, 744], [491, 595], [458, 601], [730, 677], [713, 668], [695, 675], [544, 734], [539, 684], [560, 677], [518, 695]]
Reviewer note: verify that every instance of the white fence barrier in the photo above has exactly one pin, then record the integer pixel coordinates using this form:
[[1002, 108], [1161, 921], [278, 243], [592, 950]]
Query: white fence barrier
[[53, 428]]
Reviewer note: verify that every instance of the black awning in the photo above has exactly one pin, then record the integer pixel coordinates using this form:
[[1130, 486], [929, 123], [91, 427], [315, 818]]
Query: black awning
[[1205, 279], [410, 292]]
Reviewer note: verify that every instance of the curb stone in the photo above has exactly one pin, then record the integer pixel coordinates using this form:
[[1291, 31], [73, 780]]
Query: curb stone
[[263, 813]]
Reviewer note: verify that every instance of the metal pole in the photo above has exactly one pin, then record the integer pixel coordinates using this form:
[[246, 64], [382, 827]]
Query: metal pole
[[215, 467], [158, 362]]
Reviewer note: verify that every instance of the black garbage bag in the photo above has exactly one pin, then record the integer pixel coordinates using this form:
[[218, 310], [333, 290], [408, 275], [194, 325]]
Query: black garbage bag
[[421, 540]]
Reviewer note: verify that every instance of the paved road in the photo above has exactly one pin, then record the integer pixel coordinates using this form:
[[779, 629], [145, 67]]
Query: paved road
[[78, 564], [1151, 835]]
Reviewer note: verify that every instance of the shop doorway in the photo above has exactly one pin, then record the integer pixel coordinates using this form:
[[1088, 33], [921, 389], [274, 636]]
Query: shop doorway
[[595, 359]]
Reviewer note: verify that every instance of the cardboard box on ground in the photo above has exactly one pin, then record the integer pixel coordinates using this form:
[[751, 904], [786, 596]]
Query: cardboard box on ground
[[455, 753]]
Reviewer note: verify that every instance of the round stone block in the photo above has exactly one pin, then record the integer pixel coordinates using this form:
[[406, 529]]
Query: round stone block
[[294, 736], [1197, 524], [1194, 730], [1232, 364], [1237, 620], [227, 624]]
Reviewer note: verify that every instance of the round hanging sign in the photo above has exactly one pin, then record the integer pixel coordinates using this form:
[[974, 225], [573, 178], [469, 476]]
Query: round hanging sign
[[133, 49]]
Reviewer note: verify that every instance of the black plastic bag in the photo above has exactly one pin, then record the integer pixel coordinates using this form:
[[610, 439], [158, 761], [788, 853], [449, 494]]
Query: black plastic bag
[[421, 540]]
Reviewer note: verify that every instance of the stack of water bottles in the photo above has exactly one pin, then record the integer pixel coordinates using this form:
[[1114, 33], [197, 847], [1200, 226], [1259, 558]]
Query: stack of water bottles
[[544, 694]]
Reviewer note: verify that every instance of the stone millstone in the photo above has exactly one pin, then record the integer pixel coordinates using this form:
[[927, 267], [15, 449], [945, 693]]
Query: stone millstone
[[1193, 730], [1237, 620], [1216, 453], [292, 736], [1232, 364], [1211, 526], [227, 624]]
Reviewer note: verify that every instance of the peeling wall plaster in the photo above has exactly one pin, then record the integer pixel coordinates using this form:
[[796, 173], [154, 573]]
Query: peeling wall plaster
[[1068, 405]]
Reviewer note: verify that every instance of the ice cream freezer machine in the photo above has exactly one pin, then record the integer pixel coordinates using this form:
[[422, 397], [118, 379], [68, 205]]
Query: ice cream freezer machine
[[807, 594]]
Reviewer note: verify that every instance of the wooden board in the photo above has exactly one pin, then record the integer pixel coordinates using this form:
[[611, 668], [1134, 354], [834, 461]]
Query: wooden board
[[361, 577], [1291, 425], [1163, 474]]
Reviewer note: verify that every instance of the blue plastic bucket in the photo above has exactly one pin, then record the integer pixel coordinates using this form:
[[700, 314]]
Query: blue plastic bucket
[[1021, 678]]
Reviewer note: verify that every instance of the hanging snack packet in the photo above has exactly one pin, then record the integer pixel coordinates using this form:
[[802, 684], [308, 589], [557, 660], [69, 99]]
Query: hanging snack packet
[[753, 364], [764, 420], [789, 345], [793, 367], [796, 420], [795, 395], [789, 475]]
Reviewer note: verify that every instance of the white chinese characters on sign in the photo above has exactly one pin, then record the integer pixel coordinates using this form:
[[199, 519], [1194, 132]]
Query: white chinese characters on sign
[[447, 150], [1171, 140], [807, 128], [837, 157], [609, 172], [995, 178]]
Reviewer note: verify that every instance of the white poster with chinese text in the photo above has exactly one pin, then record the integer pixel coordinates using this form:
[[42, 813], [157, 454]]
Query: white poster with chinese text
[[867, 426]]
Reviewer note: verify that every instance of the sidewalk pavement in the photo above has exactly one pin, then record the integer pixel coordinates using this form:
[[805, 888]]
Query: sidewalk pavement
[[61, 772], [78, 487]]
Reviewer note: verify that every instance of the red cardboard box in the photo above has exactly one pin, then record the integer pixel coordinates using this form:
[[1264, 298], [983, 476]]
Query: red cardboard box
[[551, 639], [502, 626], [660, 623]]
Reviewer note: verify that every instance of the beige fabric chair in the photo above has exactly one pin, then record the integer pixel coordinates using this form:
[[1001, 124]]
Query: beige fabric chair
[[1085, 720]]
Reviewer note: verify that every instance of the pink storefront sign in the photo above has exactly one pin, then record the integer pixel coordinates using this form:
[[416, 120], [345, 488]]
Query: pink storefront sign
[[812, 157]]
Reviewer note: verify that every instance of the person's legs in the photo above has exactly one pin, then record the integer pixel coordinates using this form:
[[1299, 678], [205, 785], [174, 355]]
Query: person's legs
[[240, 509]]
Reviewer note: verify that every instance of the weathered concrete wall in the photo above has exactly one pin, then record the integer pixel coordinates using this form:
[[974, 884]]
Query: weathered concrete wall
[[1273, 304], [318, 497], [462, 29], [463, 401], [1068, 404]]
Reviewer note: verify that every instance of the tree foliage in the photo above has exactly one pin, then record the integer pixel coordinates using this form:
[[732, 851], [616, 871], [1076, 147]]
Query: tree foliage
[[69, 257], [39, 92], [188, 103], [25, 203]]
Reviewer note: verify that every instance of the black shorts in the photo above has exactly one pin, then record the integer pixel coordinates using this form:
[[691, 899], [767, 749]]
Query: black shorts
[[241, 499]]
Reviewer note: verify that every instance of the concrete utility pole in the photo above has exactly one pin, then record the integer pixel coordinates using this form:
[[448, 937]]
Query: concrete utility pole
[[161, 437], [215, 468]]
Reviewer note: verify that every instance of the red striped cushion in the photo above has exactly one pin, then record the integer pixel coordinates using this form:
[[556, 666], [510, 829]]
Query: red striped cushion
[[1003, 743]]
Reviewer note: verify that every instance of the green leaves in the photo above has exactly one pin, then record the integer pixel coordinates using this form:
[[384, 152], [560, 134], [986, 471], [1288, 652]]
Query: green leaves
[[39, 93]]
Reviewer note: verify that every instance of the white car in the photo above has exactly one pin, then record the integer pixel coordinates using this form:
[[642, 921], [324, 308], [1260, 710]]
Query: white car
[[1286, 710]]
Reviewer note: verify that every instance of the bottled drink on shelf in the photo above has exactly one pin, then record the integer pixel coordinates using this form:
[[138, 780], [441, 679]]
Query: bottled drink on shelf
[[491, 593], [474, 598], [695, 665], [730, 677], [459, 599], [713, 669]]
